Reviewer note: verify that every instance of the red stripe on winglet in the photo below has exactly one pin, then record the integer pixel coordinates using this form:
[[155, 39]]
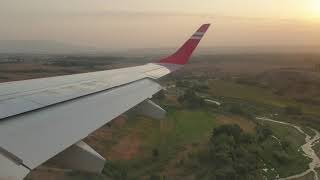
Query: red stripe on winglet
[[183, 54]]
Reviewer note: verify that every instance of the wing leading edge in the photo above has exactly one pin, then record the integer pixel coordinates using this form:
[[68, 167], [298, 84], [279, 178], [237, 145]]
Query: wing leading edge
[[41, 118]]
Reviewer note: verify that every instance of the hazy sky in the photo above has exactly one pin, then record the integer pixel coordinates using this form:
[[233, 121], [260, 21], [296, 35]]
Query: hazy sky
[[166, 23]]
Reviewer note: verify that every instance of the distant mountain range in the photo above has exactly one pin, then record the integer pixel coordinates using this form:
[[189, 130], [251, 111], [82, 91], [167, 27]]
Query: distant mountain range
[[44, 47], [54, 47]]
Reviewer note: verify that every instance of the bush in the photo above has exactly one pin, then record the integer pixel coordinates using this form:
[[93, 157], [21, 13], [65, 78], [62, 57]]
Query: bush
[[155, 177], [247, 138], [263, 132], [229, 130], [114, 171], [293, 110], [191, 99], [236, 109], [285, 145], [230, 155], [155, 153]]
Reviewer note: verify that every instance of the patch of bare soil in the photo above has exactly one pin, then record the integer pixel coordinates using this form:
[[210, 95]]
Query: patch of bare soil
[[127, 148], [47, 174], [111, 147], [176, 167], [172, 169], [101, 139]]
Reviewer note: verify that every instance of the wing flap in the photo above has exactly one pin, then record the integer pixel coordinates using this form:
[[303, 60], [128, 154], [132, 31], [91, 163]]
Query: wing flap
[[10, 170]]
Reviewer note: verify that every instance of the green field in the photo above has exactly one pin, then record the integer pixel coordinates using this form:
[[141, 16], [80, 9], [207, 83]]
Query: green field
[[256, 95], [169, 137]]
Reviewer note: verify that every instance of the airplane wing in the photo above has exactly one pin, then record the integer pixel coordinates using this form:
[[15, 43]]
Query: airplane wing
[[41, 118]]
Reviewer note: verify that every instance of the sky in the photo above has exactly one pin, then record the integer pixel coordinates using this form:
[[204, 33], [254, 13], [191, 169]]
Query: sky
[[124, 24]]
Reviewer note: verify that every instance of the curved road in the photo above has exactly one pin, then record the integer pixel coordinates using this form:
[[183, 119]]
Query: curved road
[[307, 149]]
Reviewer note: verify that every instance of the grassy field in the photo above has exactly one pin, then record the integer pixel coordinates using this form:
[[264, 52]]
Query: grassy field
[[248, 93], [167, 137], [256, 95]]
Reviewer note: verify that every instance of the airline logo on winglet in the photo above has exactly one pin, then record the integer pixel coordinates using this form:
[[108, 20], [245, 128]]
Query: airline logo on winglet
[[185, 51]]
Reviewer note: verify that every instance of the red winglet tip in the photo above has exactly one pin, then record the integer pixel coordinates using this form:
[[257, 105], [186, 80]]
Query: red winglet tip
[[204, 28], [183, 54]]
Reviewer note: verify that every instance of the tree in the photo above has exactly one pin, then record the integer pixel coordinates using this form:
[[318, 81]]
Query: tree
[[114, 171], [285, 145], [247, 138], [230, 155], [236, 109], [229, 130], [155, 152], [155, 177], [191, 99], [263, 132]]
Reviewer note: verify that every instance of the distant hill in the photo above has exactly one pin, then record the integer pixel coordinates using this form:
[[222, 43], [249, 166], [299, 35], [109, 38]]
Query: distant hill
[[211, 50], [55, 47], [260, 49], [43, 47]]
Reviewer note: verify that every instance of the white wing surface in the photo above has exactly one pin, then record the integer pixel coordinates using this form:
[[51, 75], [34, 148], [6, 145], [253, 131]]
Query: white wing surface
[[41, 118]]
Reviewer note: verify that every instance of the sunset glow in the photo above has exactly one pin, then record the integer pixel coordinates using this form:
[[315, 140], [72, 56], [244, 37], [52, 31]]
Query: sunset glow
[[127, 24], [315, 8]]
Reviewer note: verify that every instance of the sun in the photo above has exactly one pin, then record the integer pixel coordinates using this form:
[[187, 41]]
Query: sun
[[315, 8]]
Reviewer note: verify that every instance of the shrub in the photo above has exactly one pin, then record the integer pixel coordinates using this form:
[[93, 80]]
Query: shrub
[[191, 99], [155, 152], [293, 110], [263, 132], [114, 171], [155, 177], [236, 109]]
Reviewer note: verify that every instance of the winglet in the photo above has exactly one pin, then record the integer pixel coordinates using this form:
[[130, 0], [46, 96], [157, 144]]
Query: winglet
[[183, 54]]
